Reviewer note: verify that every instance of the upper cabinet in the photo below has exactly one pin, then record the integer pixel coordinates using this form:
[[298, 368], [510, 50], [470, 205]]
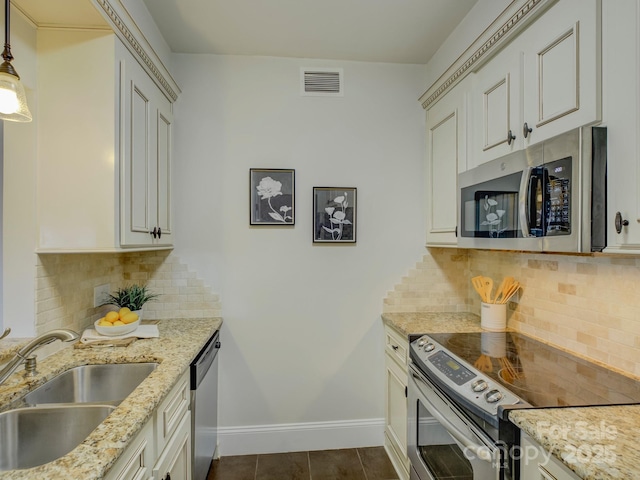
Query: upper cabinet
[[535, 73], [104, 122], [545, 82], [446, 156], [621, 109]]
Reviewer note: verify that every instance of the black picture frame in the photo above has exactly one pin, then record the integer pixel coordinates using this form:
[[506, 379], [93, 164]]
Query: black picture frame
[[334, 214], [272, 196]]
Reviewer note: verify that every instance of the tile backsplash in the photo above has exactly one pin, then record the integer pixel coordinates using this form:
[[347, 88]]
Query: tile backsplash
[[588, 304], [65, 283]]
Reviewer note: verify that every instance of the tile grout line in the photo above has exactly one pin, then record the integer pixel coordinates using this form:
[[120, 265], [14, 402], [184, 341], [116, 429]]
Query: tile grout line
[[362, 465], [255, 473], [309, 465]]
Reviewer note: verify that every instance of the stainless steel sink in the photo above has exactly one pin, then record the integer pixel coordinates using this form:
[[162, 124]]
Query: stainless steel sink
[[105, 384], [34, 436]]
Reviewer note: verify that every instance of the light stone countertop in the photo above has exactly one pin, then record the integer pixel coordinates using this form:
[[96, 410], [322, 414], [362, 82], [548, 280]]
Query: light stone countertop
[[597, 443], [432, 322], [179, 342]]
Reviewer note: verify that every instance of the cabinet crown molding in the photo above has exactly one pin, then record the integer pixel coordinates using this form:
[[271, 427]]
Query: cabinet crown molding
[[506, 26]]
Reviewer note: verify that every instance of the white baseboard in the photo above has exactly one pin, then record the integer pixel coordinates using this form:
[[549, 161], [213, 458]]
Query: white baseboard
[[300, 437]]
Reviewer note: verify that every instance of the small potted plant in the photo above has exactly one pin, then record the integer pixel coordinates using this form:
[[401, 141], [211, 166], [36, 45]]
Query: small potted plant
[[132, 297]]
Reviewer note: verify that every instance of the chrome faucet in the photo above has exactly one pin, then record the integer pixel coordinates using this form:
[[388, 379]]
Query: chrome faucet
[[24, 354]]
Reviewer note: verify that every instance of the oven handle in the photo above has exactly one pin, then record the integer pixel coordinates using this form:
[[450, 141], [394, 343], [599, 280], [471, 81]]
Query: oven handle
[[481, 452]]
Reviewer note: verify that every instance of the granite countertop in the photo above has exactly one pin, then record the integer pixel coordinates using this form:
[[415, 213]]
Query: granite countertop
[[597, 443], [180, 341], [432, 322]]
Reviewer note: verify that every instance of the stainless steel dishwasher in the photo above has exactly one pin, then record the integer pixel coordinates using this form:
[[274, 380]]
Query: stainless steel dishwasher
[[204, 407]]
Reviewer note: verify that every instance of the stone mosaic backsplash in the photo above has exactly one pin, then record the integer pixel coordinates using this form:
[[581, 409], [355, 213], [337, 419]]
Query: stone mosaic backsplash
[[65, 283], [588, 304]]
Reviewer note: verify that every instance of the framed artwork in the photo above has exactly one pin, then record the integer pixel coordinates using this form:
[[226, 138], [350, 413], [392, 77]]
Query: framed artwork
[[334, 214], [272, 196]]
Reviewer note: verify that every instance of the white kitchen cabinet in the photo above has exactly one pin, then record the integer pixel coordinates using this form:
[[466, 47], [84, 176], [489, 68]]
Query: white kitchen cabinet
[[496, 108], [621, 102], [162, 449], [562, 69], [175, 461], [395, 431], [544, 82], [446, 156], [136, 462], [92, 173], [539, 464], [145, 158]]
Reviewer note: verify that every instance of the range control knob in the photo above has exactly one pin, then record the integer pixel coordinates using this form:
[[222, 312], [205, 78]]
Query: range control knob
[[421, 342], [492, 396], [479, 385], [429, 347]]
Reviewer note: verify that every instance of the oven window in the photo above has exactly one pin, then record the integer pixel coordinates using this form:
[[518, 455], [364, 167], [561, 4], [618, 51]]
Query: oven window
[[440, 453]]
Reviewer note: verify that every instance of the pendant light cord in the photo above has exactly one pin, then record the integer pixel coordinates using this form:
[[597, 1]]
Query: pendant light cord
[[6, 53]]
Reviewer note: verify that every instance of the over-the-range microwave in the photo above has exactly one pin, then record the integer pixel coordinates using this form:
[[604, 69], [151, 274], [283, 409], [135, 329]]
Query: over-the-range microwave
[[550, 197]]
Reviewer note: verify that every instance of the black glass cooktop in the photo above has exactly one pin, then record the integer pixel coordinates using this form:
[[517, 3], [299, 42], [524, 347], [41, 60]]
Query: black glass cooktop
[[541, 375]]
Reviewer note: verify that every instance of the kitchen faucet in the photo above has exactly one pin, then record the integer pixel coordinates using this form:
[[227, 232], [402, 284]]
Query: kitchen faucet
[[24, 354]]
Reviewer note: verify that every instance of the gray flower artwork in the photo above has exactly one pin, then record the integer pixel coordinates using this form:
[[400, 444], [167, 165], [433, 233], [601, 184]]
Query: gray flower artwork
[[334, 215], [272, 196]]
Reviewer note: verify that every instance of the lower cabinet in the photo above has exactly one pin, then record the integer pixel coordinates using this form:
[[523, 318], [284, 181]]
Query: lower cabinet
[[162, 449], [395, 430], [539, 464]]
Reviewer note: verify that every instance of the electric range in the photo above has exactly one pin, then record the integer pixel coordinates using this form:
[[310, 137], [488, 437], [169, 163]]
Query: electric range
[[480, 377]]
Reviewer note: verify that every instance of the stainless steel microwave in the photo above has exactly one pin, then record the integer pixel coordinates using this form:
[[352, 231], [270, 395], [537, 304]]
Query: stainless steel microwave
[[550, 197]]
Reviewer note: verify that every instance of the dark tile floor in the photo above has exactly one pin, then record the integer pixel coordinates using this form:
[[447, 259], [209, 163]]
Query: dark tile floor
[[370, 463]]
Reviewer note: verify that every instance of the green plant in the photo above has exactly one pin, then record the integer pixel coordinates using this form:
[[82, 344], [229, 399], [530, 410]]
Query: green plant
[[133, 297]]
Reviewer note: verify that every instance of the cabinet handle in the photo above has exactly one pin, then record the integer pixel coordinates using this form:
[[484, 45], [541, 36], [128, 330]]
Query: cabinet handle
[[510, 137], [395, 347], [153, 232], [159, 236], [168, 477], [620, 222], [526, 129]]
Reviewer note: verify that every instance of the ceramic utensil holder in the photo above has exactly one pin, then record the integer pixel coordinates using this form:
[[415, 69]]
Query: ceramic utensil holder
[[493, 316]]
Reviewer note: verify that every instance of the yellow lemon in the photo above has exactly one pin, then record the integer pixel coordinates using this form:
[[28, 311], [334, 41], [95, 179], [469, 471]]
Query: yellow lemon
[[104, 323], [129, 318], [111, 317], [123, 311], [118, 323]]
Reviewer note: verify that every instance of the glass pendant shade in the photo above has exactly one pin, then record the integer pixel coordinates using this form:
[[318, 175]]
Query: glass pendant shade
[[13, 100]]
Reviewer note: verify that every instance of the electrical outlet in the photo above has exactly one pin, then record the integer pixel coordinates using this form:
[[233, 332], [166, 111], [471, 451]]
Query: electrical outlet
[[100, 294]]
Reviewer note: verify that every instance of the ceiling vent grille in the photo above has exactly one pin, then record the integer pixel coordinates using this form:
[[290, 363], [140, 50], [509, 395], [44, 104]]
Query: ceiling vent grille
[[325, 82]]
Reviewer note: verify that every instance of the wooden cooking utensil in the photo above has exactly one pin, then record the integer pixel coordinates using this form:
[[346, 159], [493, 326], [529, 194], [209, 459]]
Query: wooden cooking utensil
[[502, 290], [510, 292], [488, 287], [478, 284]]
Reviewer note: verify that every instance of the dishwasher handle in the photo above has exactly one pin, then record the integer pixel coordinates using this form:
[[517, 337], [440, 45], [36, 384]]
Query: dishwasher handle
[[203, 361]]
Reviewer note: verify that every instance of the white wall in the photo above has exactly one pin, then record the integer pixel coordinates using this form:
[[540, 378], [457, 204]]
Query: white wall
[[19, 201], [302, 338]]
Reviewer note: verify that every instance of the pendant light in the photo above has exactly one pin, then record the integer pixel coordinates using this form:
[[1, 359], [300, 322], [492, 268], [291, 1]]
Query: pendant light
[[13, 101]]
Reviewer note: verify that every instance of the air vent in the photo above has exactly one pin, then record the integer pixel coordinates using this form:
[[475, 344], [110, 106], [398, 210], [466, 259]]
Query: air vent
[[325, 82]]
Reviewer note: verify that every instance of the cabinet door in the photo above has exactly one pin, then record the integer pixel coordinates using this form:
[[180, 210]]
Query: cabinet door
[[539, 464], [396, 357], [562, 65], [175, 461], [145, 158], [136, 462], [621, 85], [446, 155], [496, 108]]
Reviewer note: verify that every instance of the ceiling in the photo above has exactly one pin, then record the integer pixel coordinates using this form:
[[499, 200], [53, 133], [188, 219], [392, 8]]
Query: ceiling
[[394, 31]]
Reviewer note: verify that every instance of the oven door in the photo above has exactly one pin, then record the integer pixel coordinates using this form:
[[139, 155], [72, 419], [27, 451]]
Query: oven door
[[442, 442]]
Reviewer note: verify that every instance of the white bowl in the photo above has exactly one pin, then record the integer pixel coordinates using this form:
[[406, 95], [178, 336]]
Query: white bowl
[[116, 330]]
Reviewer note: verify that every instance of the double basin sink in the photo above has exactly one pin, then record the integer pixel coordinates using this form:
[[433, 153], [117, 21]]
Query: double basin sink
[[56, 417]]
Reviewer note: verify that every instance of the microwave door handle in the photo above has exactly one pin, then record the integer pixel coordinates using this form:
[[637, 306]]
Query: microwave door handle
[[525, 195], [481, 452]]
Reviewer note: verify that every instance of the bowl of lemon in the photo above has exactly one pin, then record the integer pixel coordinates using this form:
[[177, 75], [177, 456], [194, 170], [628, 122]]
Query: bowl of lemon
[[117, 323]]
